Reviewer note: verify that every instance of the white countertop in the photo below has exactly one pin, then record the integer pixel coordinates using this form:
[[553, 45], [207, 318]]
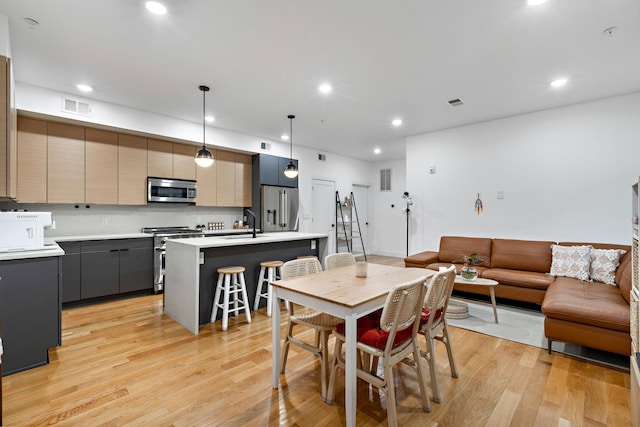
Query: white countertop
[[239, 240], [51, 249], [83, 237]]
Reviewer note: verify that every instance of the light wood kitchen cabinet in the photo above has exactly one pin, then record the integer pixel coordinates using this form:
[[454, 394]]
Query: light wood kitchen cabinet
[[226, 178], [32, 160], [243, 180], [101, 167], [65, 163], [207, 190], [160, 158], [132, 170], [8, 135], [184, 165]]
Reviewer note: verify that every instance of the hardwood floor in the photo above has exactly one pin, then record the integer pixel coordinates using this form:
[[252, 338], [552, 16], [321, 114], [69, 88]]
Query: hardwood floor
[[126, 363]]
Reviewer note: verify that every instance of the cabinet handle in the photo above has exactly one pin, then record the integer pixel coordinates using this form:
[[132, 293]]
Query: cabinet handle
[[124, 250], [114, 250]]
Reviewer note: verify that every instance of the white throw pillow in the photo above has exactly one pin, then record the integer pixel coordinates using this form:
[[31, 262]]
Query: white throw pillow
[[604, 263], [571, 261]]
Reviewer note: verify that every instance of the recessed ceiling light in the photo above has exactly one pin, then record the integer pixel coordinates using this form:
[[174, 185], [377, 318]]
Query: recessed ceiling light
[[396, 122], [84, 88], [155, 7], [325, 88], [284, 137], [210, 119], [377, 151], [535, 2], [559, 82]]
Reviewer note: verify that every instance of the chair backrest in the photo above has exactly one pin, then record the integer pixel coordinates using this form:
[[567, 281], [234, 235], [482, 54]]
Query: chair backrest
[[402, 309], [341, 259], [438, 294], [300, 267]]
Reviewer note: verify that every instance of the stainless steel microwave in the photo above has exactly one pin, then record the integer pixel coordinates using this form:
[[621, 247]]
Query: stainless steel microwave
[[169, 190]]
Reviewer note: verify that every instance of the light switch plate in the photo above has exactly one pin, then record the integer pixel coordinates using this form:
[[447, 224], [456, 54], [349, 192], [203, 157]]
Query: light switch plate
[[500, 194]]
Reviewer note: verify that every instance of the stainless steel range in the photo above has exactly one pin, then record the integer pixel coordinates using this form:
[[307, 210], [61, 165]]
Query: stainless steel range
[[160, 237]]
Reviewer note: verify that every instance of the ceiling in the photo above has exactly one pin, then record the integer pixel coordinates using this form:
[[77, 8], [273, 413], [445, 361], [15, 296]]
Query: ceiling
[[264, 59]]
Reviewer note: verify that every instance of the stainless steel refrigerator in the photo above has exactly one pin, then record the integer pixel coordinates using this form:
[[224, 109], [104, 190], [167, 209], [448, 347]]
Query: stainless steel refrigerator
[[279, 208]]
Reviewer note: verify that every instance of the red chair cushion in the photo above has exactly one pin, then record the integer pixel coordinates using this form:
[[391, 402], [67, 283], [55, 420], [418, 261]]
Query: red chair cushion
[[378, 338], [424, 316]]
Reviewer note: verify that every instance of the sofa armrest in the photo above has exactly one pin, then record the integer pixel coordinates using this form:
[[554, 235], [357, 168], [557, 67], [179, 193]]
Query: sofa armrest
[[421, 260]]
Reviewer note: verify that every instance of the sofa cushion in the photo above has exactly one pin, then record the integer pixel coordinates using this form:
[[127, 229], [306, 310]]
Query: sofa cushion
[[623, 278], [589, 303], [606, 246], [452, 247], [604, 263], [525, 279], [421, 259], [527, 255], [571, 261]]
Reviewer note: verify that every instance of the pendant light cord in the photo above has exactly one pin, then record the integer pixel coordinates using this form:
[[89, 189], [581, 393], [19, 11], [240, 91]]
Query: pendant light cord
[[291, 117], [204, 130]]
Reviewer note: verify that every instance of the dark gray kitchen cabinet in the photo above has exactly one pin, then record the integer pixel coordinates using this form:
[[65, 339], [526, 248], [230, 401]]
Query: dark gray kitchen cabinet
[[71, 271], [136, 265], [269, 170], [101, 268], [31, 312]]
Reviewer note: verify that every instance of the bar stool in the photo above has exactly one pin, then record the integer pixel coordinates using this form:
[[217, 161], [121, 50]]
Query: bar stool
[[231, 282], [272, 269]]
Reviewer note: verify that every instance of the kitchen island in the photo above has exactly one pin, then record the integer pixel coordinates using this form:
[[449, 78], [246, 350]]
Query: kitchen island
[[191, 264]]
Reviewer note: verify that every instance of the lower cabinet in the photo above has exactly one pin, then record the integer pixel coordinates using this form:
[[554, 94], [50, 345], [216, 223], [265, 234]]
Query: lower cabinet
[[30, 312], [99, 268]]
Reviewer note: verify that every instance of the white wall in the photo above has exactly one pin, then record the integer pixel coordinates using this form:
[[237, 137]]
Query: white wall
[[566, 174]]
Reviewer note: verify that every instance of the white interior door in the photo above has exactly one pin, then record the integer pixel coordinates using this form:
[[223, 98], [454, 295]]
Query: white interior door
[[361, 197], [323, 214]]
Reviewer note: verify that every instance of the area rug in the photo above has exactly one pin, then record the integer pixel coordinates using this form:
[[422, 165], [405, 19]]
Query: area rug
[[526, 326]]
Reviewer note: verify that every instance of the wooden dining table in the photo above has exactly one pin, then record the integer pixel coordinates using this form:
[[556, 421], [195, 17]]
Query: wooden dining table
[[340, 293]]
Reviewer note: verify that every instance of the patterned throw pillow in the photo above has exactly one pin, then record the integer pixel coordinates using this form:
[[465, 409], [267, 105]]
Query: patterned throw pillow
[[571, 261], [604, 263]]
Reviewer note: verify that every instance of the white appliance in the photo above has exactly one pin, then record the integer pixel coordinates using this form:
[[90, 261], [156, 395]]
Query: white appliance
[[23, 231]]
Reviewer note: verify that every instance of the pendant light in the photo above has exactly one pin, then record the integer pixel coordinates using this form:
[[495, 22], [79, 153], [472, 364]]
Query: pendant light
[[291, 171], [204, 157]]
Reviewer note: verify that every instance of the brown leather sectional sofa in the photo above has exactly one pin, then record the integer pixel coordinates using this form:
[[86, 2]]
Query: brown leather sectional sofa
[[592, 314]]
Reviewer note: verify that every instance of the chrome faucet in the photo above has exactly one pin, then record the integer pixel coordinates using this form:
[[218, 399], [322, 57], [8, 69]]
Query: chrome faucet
[[248, 211]]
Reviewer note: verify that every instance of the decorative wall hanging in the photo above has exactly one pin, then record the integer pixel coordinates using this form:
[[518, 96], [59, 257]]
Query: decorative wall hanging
[[478, 205]]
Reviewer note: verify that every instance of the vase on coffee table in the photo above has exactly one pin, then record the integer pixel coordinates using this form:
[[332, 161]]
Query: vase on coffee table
[[469, 272]]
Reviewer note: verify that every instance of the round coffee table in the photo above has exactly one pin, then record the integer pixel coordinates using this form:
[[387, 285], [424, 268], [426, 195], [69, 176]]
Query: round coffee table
[[491, 284]]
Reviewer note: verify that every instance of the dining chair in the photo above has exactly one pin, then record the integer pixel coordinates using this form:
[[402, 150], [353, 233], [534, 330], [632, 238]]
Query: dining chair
[[340, 259], [434, 323], [322, 323], [392, 340]]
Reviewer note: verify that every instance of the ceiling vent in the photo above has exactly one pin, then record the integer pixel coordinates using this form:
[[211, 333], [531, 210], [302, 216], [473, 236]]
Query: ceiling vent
[[76, 107], [265, 146], [322, 157], [455, 102]]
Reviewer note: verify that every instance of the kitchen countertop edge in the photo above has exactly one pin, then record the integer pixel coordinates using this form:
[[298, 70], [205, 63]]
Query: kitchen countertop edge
[[213, 242]]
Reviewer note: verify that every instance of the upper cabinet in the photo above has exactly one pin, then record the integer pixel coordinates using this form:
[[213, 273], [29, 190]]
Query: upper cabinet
[[226, 178], [270, 171], [101, 166], [32, 160], [160, 158], [65, 163], [132, 170], [207, 184], [243, 180], [184, 165], [8, 139]]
